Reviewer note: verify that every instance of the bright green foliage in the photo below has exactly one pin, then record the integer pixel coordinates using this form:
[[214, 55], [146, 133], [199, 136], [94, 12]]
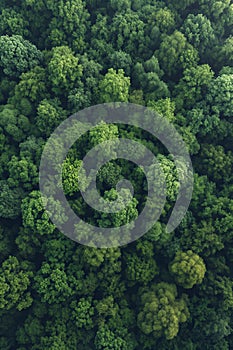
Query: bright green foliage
[[22, 173], [58, 57], [188, 269], [220, 95], [82, 313], [114, 87], [49, 116], [170, 172], [107, 307], [12, 22], [51, 283], [199, 32], [15, 281], [64, 69], [95, 257], [70, 21], [72, 179], [32, 86], [35, 217], [106, 340], [176, 54], [17, 55], [164, 107], [161, 312], [164, 19], [124, 215]]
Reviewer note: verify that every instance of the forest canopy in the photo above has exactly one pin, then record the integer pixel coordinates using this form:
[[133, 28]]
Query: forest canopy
[[165, 290]]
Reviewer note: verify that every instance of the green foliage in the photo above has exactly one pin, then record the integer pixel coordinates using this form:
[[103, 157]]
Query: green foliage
[[199, 32], [51, 283], [188, 269], [58, 57], [64, 69], [193, 85], [161, 311], [32, 86], [164, 107], [83, 312], [10, 200], [12, 22], [176, 54], [15, 125], [22, 173], [15, 281], [35, 216], [17, 55], [141, 267], [220, 95], [127, 33], [114, 87], [106, 339], [49, 116]]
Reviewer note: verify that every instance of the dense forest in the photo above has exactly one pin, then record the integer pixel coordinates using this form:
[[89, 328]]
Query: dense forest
[[164, 291]]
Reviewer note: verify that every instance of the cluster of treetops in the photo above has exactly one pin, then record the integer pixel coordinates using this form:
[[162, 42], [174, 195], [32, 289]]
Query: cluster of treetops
[[166, 291]]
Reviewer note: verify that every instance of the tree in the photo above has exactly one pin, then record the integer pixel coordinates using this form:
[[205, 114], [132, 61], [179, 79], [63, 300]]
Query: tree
[[49, 116], [176, 54], [114, 87], [32, 86], [106, 339], [194, 84], [148, 77], [10, 200], [199, 32], [12, 22], [121, 60], [219, 96], [82, 313], [70, 20], [216, 164], [188, 269], [15, 280], [15, 125], [51, 283], [127, 33], [164, 107], [22, 173], [35, 216], [17, 55], [160, 312], [64, 70], [226, 52], [72, 181], [123, 216], [165, 20], [141, 266]]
